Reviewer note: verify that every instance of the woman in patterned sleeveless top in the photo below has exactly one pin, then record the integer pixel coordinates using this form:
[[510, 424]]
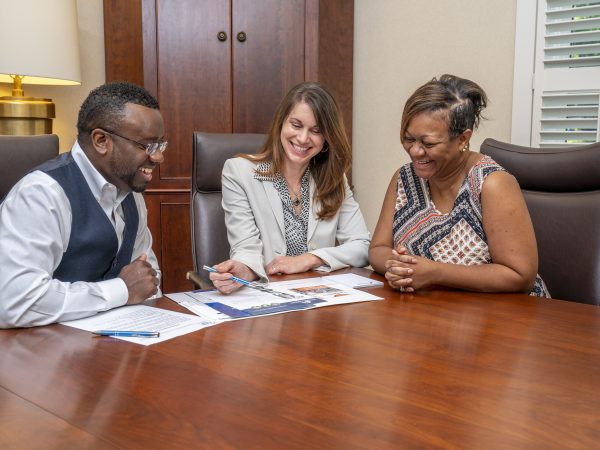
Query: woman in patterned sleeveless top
[[452, 217]]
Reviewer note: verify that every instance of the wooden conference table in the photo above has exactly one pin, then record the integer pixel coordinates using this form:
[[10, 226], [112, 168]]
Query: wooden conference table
[[438, 369]]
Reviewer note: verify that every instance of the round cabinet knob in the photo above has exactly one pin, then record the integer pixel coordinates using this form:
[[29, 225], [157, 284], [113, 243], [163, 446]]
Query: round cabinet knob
[[241, 36], [222, 36]]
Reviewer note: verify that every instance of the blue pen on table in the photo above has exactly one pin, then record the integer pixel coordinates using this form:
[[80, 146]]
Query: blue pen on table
[[148, 334], [252, 284]]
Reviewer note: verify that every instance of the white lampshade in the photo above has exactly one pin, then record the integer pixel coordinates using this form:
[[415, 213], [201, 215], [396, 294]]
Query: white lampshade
[[39, 46], [39, 41]]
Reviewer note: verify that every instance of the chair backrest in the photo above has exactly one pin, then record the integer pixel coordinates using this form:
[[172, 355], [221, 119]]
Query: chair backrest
[[209, 235], [20, 154], [562, 189]]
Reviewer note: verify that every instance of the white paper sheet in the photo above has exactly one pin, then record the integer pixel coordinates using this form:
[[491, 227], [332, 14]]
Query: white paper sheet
[[353, 280], [170, 324]]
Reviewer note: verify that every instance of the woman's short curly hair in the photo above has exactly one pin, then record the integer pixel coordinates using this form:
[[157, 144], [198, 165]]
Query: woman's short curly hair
[[460, 100]]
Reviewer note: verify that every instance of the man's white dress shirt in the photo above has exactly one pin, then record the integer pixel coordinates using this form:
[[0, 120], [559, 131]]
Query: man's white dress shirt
[[35, 227]]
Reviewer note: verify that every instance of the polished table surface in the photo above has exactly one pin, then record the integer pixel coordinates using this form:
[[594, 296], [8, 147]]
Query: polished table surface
[[437, 369]]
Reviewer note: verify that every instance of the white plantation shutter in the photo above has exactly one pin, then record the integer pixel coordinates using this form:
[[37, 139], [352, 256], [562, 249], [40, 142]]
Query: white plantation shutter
[[572, 33], [568, 118], [566, 79]]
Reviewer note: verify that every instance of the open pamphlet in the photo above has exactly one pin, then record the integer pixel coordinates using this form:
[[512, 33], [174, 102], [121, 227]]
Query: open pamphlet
[[306, 293]]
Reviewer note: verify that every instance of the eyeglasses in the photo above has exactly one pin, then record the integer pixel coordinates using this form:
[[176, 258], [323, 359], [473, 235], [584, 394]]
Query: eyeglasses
[[150, 148]]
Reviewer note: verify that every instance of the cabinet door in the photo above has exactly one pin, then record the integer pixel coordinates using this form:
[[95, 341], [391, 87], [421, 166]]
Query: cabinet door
[[168, 220], [269, 62], [172, 47], [193, 74]]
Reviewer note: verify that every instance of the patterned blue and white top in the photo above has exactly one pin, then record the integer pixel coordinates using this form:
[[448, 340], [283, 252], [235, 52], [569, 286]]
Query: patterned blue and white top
[[296, 225], [457, 237]]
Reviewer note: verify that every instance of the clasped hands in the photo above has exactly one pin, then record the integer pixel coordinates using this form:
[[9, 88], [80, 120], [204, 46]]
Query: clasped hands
[[408, 273]]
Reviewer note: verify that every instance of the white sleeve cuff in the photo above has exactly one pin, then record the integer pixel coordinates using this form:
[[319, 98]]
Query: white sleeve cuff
[[115, 292]]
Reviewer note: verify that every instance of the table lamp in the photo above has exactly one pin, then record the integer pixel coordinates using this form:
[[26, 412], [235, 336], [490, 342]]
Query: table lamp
[[39, 46]]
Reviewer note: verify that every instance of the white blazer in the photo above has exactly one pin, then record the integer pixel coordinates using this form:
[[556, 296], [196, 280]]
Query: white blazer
[[256, 230]]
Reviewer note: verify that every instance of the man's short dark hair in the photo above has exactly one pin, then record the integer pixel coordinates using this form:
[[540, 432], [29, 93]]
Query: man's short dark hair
[[104, 107]]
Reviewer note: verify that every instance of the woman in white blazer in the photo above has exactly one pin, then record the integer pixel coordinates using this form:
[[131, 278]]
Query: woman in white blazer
[[289, 208]]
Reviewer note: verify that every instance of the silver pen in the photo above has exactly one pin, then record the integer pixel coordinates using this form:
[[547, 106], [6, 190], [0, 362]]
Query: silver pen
[[121, 333]]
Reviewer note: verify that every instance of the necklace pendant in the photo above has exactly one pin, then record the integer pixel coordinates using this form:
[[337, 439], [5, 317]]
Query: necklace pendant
[[296, 202]]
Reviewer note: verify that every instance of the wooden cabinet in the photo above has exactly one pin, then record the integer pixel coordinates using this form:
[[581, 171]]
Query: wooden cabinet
[[219, 66]]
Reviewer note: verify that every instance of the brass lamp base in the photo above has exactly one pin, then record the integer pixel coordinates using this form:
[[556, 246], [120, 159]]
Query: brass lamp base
[[26, 115]]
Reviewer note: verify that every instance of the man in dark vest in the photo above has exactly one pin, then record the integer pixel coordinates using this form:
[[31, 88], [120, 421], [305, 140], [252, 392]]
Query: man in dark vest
[[74, 238]]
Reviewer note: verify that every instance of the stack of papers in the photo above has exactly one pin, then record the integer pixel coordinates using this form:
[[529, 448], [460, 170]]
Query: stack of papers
[[212, 307], [306, 293], [170, 324]]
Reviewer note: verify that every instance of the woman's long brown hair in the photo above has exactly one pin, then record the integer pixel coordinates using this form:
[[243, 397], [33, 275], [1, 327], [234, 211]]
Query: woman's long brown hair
[[327, 168]]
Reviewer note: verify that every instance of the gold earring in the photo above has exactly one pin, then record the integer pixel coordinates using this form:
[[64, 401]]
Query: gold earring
[[465, 148]]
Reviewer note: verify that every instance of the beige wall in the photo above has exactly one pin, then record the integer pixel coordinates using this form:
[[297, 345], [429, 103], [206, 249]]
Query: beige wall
[[401, 44], [68, 99], [398, 45]]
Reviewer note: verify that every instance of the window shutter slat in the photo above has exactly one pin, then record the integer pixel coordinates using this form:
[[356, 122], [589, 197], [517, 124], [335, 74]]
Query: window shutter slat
[[566, 39], [569, 118]]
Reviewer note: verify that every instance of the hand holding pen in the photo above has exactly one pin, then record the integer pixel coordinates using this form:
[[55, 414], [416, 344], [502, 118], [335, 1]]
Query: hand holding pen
[[230, 275], [241, 282]]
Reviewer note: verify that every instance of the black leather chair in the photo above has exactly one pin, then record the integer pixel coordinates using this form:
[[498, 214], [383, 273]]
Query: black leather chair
[[209, 235], [20, 154], [562, 190]]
